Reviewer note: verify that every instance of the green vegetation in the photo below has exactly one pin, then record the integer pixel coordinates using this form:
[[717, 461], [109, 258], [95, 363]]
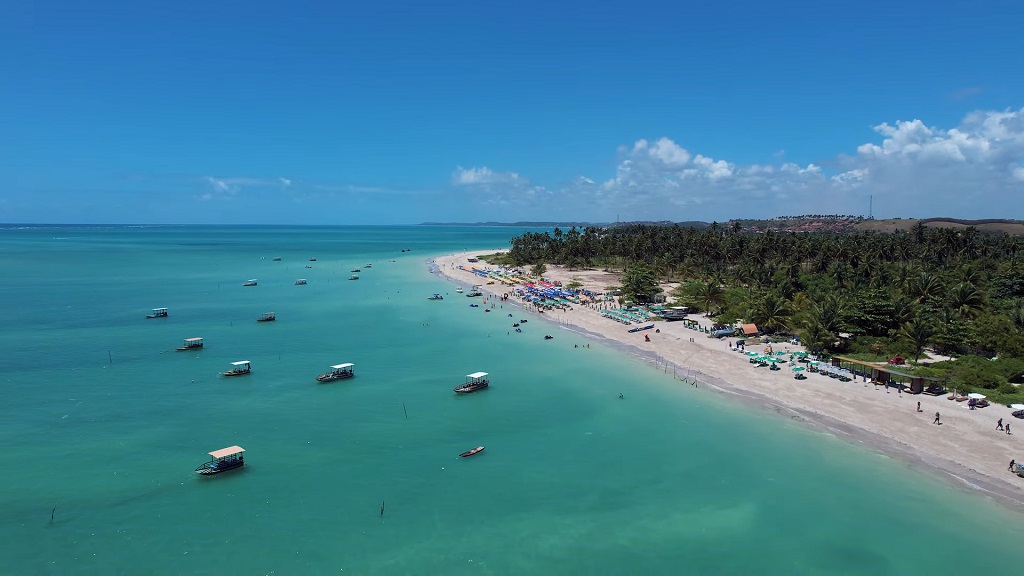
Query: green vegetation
[[956, 291]]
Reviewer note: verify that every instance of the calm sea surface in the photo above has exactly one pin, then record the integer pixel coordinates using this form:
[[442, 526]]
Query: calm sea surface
[[101, 418]]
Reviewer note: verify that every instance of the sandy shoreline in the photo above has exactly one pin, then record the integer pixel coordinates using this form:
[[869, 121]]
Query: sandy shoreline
[[966, 449]]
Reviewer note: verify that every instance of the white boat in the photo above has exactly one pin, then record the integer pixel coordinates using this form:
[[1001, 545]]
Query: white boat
[[250, 282], [458, 290], [222, 460], [157, 313], [475, 381], [435, 297], [300, 282], [192, 344]]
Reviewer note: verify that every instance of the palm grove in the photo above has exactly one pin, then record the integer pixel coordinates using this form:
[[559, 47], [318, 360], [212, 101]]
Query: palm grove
[[957, 291]]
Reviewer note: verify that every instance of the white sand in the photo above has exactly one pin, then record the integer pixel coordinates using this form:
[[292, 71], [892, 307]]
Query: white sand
[[965, 448]]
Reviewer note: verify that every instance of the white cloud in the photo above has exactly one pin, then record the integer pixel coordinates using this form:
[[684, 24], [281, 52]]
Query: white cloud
[[975, 169], [229, 187], [484, 175]]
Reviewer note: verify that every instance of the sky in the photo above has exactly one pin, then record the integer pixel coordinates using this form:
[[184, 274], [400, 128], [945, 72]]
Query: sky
[[391, 112]]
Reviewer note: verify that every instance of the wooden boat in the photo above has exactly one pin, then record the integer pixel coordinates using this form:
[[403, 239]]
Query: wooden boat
[[476, 450], [312, 259], [338, 372], [355, 270], [475, 293], [368, 266], [250, 282], [222, 460], [277, 259], [267, 317], [435, 297], [353, 277], [300, 282], [241, 368], [157, 313], [192, 344], [639, 328], [475, 381]]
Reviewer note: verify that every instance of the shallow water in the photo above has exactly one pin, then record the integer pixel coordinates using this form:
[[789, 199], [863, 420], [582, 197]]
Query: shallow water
[[104, 420]]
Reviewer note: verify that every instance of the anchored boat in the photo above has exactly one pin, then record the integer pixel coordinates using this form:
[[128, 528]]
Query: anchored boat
[[241, 368], [475, 381], [222, 460], [476, 450], [250, 282], [435, 297], [267, 317], [157, 313], [338, 372], [192, 344], [300, 282]]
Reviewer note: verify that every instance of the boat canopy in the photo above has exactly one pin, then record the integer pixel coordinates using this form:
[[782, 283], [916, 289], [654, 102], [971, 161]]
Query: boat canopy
[[159, 309], [253, 279], [230, 450], [343, 366], [193, 339], [476, 375], [240, 363]]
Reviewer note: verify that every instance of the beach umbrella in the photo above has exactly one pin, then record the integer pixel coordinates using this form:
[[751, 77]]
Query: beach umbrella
[[800, 353], [798, 368], [815, 363], [1017, 406], [752, 354], [976, 396]]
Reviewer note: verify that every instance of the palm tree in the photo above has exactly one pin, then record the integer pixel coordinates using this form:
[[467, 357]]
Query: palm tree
[[918, 331], [710, 295], [771, 312]]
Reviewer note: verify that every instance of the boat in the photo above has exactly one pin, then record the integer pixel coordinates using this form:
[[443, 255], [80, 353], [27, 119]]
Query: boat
[[474, 293], [435, 297], [250, 282], [157, 313], [475, 381], [222, 460], [476, 450], [312, 259], [368, 266], [474, 305], [338, 372], [267, 317], [300, 282], [355, 270], [277, 259], [192, 344], [640, 328], [353, 277], [548, 337], [241, 368], [458, 290]]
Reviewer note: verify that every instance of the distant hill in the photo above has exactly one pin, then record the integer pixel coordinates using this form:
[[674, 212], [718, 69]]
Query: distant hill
[[994, 226], [687, 224]]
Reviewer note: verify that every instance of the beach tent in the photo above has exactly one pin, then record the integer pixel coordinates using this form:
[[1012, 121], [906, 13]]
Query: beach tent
[[749, 329], [976, 396]]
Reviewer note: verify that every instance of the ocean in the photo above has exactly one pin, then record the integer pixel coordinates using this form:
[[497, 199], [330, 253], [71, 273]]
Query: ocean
[[102, 423]]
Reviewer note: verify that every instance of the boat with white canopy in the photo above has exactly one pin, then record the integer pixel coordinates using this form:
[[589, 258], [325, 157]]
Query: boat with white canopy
[[192, 344], [475, 381], [338, 372], [241, 368], [157, 313], [222, 460]]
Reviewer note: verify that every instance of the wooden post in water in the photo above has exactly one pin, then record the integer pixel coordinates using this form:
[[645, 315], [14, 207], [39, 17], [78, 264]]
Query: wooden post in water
[[52, 512], [405, 410], [109, 357]]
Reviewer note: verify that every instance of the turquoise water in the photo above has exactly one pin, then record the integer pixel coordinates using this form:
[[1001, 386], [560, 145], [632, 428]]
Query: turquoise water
[[102, 419]]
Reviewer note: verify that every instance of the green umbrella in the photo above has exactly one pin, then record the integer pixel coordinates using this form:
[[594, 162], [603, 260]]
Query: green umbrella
[[752, 354], [773, 360], [798, 368], [800, 353]]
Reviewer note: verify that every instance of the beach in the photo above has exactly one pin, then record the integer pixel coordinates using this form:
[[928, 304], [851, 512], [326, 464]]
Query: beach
[[965, 448]]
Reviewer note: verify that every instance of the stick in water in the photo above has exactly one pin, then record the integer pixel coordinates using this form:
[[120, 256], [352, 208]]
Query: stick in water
[[109, 357], [406, 411], [52, 512], [381, 507]]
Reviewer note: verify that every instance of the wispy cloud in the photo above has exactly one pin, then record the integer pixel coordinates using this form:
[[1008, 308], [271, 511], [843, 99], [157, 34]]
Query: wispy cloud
[[229, 187]]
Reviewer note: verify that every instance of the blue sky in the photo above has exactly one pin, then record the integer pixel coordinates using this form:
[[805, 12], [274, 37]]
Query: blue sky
[[403, 112]]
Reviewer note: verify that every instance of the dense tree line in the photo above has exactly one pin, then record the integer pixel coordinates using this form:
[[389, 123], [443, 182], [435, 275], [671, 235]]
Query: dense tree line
[[957, 290]]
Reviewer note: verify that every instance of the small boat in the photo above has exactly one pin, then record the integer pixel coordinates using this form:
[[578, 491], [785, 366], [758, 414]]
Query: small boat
[[192, 344], [368, 266], [355, 270], [338, 372], [241, 368], [300, 282], [639, 328], [267, 317], [458, 290], [523, 321], [223, 460], [353, 277], [435, 297], [516, 325], [475, 381], [157, 313], [308, 266], [474, 293], [548, 337], [312, 259], [277, 259], [476, 450], [474, 305], [250, 282]]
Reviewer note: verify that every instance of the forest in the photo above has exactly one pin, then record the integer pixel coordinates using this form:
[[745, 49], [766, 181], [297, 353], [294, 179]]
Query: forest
[[870, 295]]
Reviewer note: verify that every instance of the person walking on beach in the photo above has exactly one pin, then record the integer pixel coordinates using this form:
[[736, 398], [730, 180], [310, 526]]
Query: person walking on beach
[[1007, 428], [1012, 462], [918, 406], [999, 425], [936, 421]]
